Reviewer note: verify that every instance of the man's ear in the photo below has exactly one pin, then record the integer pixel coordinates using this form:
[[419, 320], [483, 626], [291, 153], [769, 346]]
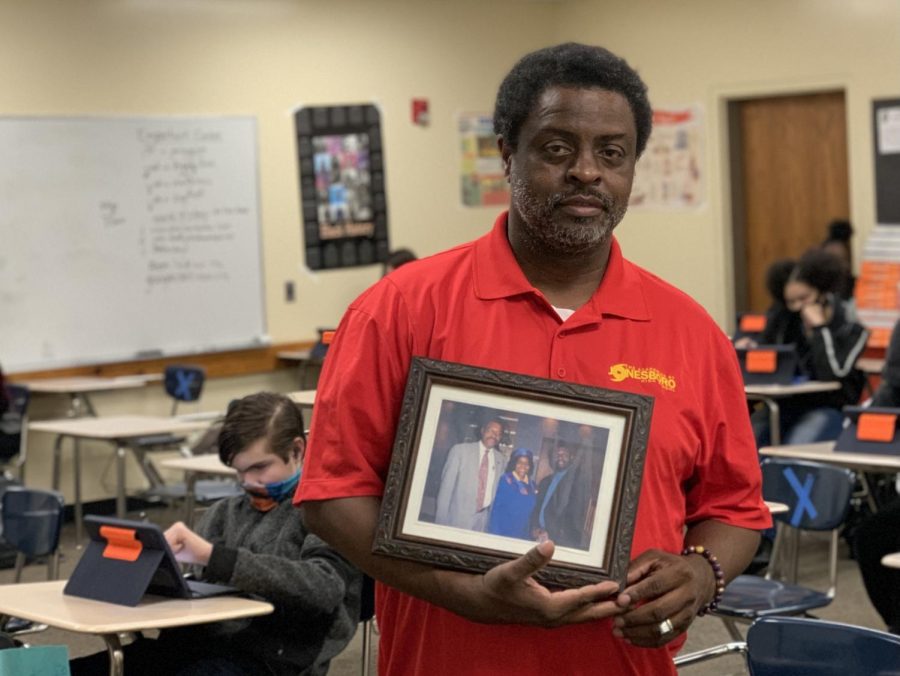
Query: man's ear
[[505, 155]]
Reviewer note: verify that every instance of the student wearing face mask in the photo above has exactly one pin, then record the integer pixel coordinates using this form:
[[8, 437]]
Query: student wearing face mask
[[256, 542], [828, 344]]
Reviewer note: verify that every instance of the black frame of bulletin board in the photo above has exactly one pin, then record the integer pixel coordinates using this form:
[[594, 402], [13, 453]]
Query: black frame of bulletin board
[[342, 187]]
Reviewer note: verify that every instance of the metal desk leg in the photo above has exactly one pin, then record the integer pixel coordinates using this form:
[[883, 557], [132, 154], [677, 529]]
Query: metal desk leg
[[79, 512], [120, 479], [57, 452], [867, 487], [190, 481], [116, 656], [774, 421]]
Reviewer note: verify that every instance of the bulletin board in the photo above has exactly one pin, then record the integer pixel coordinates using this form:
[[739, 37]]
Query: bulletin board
[[342, 187], [886, 136]]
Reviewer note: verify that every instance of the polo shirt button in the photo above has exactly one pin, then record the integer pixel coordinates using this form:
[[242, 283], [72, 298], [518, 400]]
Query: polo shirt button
[[561, 372]]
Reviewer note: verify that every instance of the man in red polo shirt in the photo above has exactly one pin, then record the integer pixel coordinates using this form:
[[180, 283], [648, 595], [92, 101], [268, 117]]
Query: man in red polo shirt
[[546, 293]]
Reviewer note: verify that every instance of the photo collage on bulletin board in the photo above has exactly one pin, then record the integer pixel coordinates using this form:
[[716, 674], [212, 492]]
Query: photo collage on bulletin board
[[342, 186]]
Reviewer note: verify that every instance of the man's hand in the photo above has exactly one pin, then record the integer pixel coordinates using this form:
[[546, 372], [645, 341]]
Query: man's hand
[[187, 546], [662, 586], [508, 594]]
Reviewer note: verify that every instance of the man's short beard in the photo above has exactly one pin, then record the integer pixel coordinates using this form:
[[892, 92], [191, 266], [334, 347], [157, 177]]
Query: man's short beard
[[546, 233]]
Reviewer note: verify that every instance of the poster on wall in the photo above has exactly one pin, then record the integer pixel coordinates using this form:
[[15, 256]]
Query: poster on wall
[[342, 186], [482, 181], [669, 174]]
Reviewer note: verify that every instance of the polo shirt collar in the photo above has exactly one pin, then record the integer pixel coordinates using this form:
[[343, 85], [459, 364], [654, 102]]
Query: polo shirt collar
[[497, 275]]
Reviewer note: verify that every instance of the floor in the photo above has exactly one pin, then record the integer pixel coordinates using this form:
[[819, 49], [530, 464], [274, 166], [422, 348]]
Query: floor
[[851, 606]]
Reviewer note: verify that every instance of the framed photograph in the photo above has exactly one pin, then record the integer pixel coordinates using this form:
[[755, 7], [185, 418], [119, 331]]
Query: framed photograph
[[342, 186], [488, 463]]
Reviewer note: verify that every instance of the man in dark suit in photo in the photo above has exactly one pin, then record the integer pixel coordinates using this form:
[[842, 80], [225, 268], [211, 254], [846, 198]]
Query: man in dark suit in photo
[[563, 498]]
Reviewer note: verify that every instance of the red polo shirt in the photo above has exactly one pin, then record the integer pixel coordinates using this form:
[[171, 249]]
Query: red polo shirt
[[472, 304]]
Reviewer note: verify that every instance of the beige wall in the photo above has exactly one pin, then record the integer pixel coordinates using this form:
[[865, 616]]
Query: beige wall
[[266, 57], [708, 51]]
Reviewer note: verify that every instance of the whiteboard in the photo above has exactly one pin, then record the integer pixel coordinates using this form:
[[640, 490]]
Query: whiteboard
[[127, 238]]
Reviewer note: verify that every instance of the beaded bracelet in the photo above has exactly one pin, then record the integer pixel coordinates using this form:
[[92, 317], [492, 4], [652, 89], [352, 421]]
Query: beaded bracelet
[[717, 572]]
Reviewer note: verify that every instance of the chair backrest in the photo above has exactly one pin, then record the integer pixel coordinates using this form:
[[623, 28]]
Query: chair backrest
[[817, 495], [184, 382], [794, 646], [32, 520], [14, 423]]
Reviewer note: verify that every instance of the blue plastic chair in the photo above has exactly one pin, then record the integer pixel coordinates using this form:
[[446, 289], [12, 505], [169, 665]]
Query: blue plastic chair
[[818, 497], [32, 521], [183, 383], [13, 430], [794, 646]]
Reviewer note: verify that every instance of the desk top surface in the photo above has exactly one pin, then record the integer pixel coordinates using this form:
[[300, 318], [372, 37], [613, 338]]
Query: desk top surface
[[45, 602], [870, 364], [777, 507], [116, 426], [303, 397], [88, 384], [777, 391], [208, 463], [824, 452], [891, 560], [293, 355]]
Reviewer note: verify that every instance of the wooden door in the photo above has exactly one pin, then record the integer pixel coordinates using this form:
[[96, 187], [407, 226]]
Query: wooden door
[[789, 180]]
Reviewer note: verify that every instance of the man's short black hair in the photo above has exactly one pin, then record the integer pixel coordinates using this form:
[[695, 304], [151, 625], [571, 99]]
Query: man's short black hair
[[568, 65]]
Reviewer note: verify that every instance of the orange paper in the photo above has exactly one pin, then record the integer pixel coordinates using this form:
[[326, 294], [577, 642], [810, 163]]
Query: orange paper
[[327, 337], [762, 361], [753, 323], [876, 427], [121, 543]]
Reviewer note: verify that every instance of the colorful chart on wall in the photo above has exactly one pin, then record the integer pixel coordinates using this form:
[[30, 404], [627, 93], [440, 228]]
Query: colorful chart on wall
[[670, 173], [342, 186], [482, 180]]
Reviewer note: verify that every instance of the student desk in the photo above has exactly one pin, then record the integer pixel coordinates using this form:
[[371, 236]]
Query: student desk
[[824, 452], [303, 398], [770, 394], [193, 468], [45, 602], [80, 388], [303, 360], [891, 560], [119, 431], [870, 365], [776, 507]]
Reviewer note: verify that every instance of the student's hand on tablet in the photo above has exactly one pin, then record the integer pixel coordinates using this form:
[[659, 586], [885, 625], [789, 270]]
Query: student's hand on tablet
[[187, 546]]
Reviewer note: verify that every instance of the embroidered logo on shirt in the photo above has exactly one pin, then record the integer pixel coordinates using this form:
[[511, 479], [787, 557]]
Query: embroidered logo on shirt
[[619, 372]]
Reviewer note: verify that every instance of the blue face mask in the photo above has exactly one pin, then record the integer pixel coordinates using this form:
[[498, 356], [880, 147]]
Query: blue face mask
[[270, 495]]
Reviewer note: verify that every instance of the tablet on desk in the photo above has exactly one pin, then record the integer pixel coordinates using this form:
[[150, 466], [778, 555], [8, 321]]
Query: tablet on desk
[[768, 364], [125, 560], [870, 429]]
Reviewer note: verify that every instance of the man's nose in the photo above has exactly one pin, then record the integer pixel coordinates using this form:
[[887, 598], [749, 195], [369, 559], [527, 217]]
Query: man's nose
[[585, 167]]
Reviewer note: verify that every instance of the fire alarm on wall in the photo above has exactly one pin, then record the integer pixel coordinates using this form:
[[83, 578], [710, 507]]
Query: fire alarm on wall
[[420, 112]]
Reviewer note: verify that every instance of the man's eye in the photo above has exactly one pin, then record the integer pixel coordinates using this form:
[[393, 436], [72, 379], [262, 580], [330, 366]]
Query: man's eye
[[556, 149]]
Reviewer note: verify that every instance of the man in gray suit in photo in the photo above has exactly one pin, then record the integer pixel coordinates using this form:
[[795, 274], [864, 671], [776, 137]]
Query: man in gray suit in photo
[[469, 480]]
